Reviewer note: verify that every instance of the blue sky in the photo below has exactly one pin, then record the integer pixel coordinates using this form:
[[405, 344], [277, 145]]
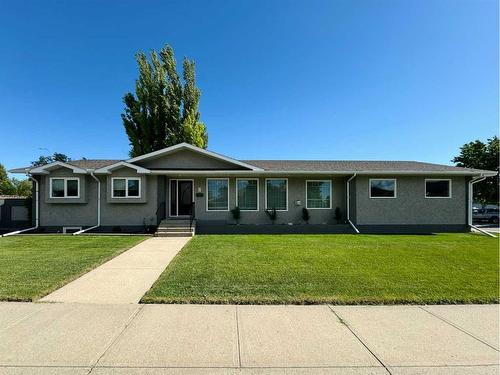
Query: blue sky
[[396, 80]]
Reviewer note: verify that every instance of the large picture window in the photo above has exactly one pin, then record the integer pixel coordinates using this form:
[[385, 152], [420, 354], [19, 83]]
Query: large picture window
[[126, 187], [217, 194], [319, 194], [382, 188], [277, 194], [435, 188], [66, 187], [247, 194]]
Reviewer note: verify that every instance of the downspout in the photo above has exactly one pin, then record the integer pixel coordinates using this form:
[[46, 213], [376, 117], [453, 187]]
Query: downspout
[[469, 216], [37, 217], [98, 207], [348, 204]]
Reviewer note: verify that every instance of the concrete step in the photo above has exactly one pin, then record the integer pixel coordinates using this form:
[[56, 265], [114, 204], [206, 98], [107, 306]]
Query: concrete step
[[176, 224], [175, 229], [174, 234], [186, 225], [176, 220]]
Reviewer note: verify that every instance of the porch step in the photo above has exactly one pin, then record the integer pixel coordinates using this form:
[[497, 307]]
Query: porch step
[[175, 228], [173, 223], [174, 234]]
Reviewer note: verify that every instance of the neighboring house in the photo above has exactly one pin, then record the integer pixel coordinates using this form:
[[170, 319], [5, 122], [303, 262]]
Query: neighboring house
[[14, 213], [183, 181]]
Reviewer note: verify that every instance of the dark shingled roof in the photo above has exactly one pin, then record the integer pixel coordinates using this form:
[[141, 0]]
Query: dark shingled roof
[[92, 163], [353, 166], [84, 164], [312, 166]]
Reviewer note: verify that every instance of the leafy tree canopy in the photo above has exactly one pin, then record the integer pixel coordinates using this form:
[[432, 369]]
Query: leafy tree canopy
[[13, 186], [164, 110], [482, 155], [56, 156]]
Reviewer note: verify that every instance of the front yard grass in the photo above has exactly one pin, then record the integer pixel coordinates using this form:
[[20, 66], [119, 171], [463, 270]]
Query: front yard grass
[[33, 266], [338, 269]]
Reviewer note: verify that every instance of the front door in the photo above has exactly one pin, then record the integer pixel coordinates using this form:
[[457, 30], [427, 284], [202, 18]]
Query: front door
[[181, 197]]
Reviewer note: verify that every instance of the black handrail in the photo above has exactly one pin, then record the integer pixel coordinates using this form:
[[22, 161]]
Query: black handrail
[[158, 219], [191, 215]]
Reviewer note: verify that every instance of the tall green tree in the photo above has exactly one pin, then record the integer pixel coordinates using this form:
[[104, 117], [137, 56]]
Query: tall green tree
[[13, 186], [6, 187], [47, 159], [164, 110], [482, 155]]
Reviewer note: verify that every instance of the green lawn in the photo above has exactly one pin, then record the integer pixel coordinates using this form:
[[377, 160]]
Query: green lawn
[[342, 269], [33, 266]]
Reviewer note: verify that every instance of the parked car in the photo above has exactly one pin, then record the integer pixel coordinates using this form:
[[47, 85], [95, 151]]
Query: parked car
[[489, 215]]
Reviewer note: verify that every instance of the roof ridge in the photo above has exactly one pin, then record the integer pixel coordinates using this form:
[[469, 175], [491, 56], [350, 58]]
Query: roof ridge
[[348, 160]]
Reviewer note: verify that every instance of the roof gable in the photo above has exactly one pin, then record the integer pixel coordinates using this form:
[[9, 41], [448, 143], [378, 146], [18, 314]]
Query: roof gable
[[122, 164], [185, 156], [47, 168]]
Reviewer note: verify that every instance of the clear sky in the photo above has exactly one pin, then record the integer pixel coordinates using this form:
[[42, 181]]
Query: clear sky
[[395, 80]]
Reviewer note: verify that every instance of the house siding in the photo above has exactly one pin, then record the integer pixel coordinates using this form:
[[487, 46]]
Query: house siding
[[114, 212], [296, 191], [136, 213], [411, 207], [68, 212]]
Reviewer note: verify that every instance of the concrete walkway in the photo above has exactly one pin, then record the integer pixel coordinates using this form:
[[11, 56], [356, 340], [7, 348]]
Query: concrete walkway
[[124, 279], [37, 338]]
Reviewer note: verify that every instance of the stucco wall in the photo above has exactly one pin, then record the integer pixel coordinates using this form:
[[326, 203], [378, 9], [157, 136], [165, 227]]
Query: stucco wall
[[113, 212], [65, 172], [352, 200], [68, 212], [131, 211], [411, 206], [296, 191], [127, 172]]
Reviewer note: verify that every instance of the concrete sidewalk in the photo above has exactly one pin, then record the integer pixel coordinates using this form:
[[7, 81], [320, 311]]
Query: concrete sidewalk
[[128, 339], [125, 278]]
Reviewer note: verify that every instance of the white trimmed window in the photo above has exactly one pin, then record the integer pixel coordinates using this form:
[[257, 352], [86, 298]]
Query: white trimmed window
[[382, 188], [437, 188], [64, 187], [126, 187], [318, 194], [247, 194], [217, 194], [277, 194]]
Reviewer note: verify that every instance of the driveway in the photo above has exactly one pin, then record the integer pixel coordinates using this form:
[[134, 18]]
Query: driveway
[[125, 278], [41, 338], [489, 227]]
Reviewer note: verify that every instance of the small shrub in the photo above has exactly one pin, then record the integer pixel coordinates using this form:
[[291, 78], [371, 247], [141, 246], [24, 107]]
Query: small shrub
[[236, 214], [338, 215], [273, 215], [305, 215]]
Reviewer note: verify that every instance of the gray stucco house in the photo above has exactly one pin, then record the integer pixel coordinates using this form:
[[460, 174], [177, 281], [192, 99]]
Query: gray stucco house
[[184, 185]]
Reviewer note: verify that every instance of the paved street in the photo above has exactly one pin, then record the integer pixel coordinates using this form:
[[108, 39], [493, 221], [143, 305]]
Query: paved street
[[70, 338]]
